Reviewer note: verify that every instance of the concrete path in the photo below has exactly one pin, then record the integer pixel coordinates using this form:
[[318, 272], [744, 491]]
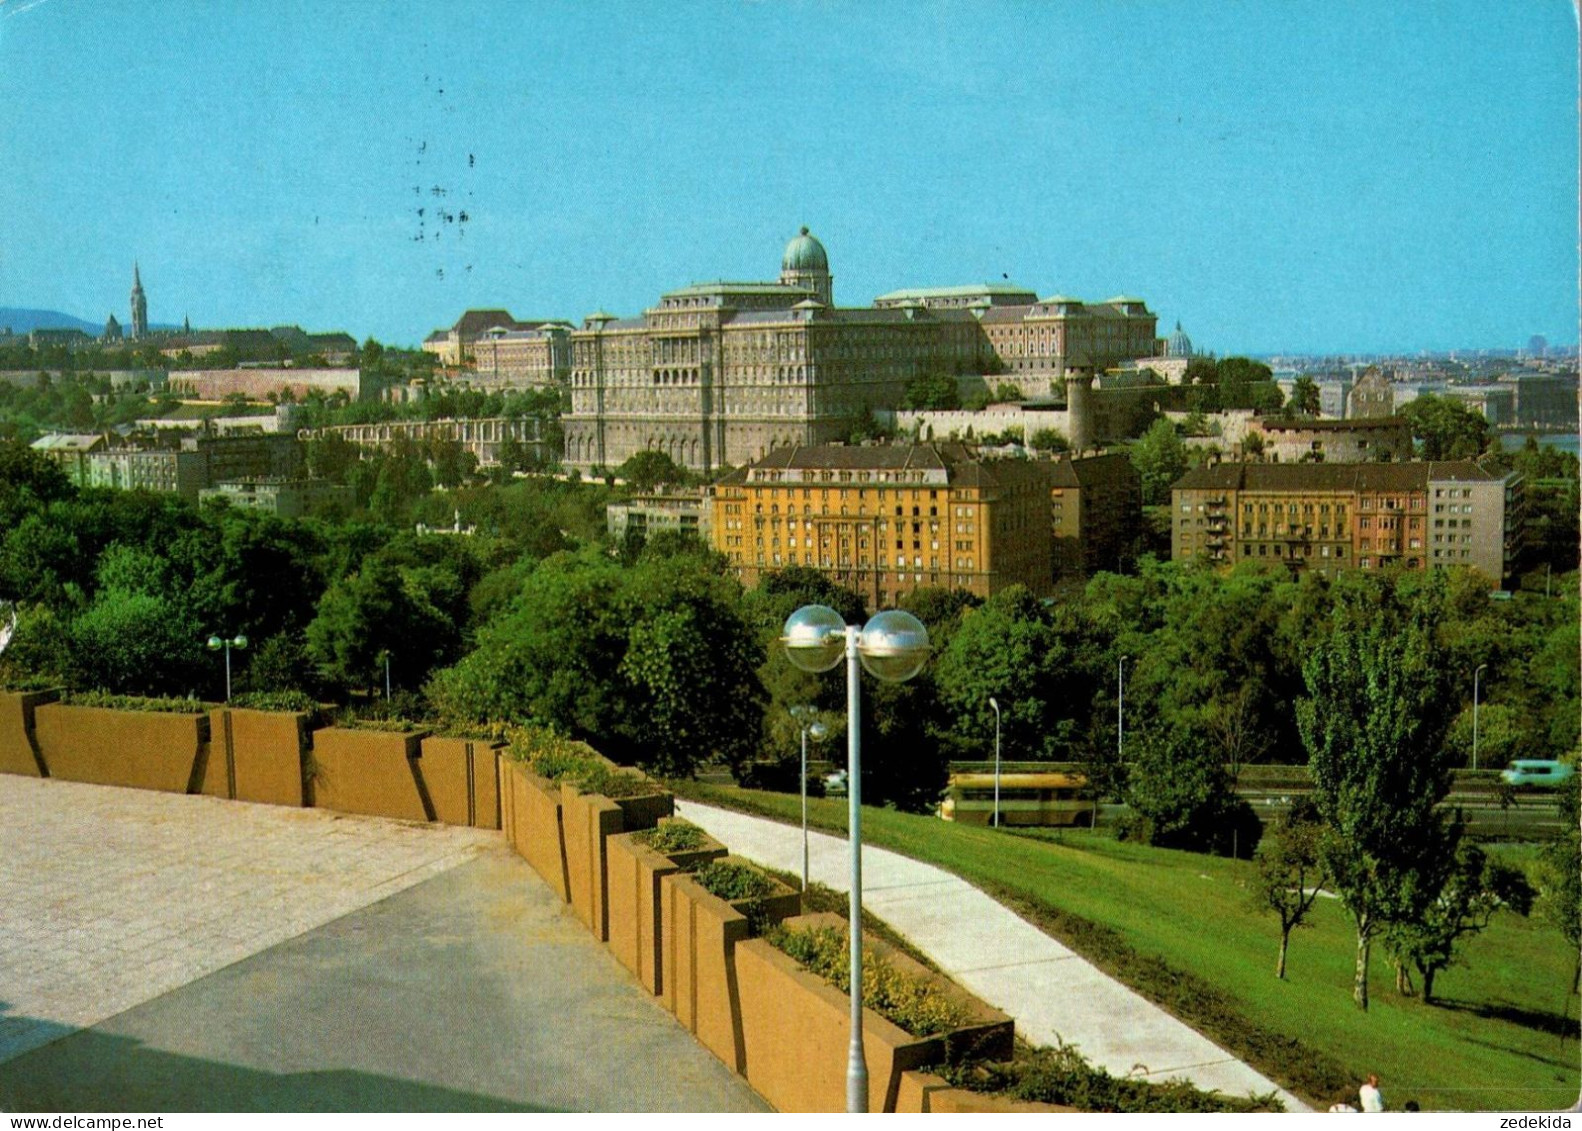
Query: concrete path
[[173, 953], [1050, 991]]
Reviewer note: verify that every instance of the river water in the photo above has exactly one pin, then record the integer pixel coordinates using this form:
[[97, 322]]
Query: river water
[[1565, 441]]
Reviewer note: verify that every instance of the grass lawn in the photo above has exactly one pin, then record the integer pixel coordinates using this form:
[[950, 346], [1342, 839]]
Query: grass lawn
[[1179, 927]]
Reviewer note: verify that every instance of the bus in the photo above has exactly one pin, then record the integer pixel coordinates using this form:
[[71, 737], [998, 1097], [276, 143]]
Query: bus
[[1049, 799]]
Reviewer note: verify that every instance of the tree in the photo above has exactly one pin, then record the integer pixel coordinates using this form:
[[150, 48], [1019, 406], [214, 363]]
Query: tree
[[1179, 788], [650, 469], [654, 666], [1475, 889], [1445, 428], [134, 643], [1160, 459], [1374, 723], [1048, 440], [510, 457], [1291, 872], [689, 670], [1560, 881], [373, 613], [1011, 650], [28, 480], [937, 391], [1304, 397]]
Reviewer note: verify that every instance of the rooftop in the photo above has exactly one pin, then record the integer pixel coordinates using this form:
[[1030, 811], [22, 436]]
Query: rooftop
[[1413, 476]]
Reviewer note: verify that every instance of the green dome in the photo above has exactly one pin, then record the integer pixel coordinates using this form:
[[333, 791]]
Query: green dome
[[804, 254]]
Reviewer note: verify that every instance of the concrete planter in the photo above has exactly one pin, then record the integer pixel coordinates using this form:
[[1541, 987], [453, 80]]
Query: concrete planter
[[105, 746], [699, 983], [462, 780], [588, 821], [258, 756], [796, 1028], [18, 750], [372, 772], [530, 816], [922, 1093], [634, 901]]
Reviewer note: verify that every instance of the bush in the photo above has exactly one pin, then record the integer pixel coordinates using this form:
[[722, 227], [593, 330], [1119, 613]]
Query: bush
[[734, 882], [276, 701], [918, 1005], [1060, 1075], [672, 836], [548, 754], [135, 703], [20, 682], [614, 784], [389, 723]]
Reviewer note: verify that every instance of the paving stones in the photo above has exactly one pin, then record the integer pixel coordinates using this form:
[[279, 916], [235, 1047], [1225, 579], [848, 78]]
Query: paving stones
[[114, 896]]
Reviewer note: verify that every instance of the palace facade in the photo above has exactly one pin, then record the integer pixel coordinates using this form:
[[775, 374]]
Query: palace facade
[[719, 374]]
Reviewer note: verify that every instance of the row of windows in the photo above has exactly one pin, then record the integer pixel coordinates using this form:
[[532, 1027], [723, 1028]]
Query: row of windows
[[847, 570]]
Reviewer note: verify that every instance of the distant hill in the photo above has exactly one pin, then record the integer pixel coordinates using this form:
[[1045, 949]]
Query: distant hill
[[22, 321]]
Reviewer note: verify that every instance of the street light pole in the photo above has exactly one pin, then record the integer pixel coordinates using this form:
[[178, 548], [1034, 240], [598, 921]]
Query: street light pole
[[856, 1063], [1475, 675], [893, 646], [818, 732], [216, 643], [996, 707]]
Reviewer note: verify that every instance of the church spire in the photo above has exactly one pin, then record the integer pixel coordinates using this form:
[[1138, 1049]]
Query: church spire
[[139, 305]]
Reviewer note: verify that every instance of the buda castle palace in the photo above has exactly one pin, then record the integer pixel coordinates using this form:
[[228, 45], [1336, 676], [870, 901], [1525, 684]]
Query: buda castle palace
[[719, 374]]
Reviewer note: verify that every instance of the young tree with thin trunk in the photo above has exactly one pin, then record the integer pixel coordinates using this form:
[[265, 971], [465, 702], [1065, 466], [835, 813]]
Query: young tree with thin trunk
[[1374, 724], [1476, 888], [1291, 872]]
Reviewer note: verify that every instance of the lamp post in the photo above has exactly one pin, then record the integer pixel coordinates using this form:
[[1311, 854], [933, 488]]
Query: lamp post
[[1120, 709], [993, 703], [818, 731], [1475, 676], [893, 646], [216, 643]]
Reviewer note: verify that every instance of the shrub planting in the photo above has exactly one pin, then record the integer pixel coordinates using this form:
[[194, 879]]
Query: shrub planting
[[276, 701], [614, 784], [134, 703], [917, 1005], [672, 836], [1061, 1075]]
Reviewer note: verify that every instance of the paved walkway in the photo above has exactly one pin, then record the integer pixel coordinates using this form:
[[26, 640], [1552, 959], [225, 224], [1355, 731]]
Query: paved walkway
[[1050, 991], [164, 952]]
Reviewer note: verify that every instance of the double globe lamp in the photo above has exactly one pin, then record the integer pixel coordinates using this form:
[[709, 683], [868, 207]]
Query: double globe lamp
[[893, 646]]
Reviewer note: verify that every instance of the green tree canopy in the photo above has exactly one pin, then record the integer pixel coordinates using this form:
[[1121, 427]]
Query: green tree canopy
[[1160, 459], [1373, 722], [1304, 397], [1179, 787], [1474, 890], [653, 665], [648, 470], [1290, 872], [937, 391], [1444, 428]]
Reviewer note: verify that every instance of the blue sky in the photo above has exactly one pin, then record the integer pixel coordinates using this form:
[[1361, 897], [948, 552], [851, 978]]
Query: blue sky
[[1328, 177]]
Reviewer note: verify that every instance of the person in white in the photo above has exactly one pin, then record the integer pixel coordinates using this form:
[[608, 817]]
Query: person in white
[[1372, 1099]]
